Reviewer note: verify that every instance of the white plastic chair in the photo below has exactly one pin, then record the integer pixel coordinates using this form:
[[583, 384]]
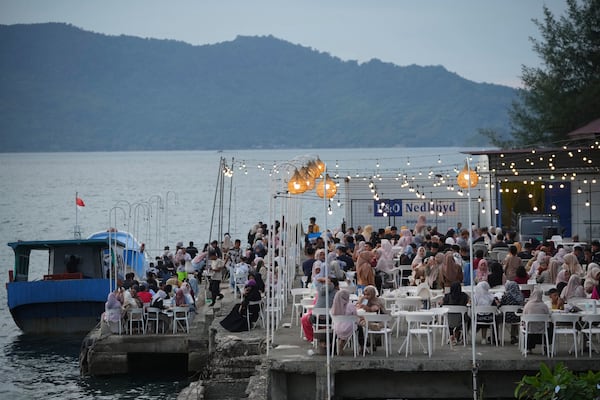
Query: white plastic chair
[[564, 324], [136, 317], [319, 327], [240, 283], [462, 310], [306, 304], [440, 321], [419, 323], [181, 316], [345, 319], [483, 310], [385, 330], [504, 310], [152, 315], [410, 303], [526, 329], [592, 321], [260, 319]]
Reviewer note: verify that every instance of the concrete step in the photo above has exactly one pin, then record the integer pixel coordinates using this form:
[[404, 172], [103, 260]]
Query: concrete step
[[225, 389]]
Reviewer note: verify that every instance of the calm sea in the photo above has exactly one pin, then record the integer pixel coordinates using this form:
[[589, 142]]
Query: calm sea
[[125, 190]]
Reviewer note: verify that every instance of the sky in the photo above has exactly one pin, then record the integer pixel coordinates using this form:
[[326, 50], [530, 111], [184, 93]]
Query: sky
[[480, 40]]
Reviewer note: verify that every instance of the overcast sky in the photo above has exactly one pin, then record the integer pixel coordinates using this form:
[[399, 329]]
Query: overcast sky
[[481, 40]]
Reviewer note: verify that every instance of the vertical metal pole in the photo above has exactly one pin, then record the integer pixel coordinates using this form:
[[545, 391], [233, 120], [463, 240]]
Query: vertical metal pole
[[473, 310]]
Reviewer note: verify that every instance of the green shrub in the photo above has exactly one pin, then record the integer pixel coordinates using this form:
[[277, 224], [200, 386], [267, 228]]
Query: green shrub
[[559, 384]]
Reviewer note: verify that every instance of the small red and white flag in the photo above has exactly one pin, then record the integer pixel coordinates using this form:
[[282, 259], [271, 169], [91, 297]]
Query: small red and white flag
[[79, 202]]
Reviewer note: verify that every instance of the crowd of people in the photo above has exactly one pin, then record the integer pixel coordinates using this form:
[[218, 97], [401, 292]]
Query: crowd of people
[[442, 261]]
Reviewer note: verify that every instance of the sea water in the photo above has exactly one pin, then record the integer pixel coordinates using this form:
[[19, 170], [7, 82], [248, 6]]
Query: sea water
[[163, 198]]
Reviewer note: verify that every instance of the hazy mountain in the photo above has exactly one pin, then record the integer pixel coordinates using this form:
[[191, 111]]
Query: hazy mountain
[[66, 89]]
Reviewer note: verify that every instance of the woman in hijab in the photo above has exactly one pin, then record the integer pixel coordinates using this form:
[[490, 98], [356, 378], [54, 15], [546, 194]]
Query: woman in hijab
[[113, 312], [236, 320], [365, 274], [385, 261], [539, 258], [496, 276], [574, 289], [512, 297], [482, 271], [456, 297], [535, 305], [342, 306], [418, 260], [421, 226], [433, 271], [483, 297], [451, 271], [571, 263], [592, 278]]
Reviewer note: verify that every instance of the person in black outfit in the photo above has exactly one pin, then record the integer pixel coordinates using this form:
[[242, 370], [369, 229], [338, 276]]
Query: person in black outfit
[[456, 297], [191, 250], [496, 274], [236, 320]]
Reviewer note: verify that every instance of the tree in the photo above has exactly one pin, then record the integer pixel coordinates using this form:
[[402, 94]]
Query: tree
[[564, 93]]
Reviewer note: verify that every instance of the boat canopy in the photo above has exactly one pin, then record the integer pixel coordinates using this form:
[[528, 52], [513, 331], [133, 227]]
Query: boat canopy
[[81, 256], [131, 255]]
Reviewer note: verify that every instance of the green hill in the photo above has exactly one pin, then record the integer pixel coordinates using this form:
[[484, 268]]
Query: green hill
[[66, 89]]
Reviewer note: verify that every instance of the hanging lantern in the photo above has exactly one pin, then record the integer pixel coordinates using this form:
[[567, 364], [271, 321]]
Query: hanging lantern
[[467, 177], [308, 179], [313, 169], [296, 184], [320, 165], [326, 187]]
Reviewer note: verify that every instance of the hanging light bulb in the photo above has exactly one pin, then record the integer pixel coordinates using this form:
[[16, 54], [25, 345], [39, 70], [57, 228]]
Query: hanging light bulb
[[553, 207], [535, 208], [496, 211], [339, 203], [329, 210], [483, 210], [587, 203]]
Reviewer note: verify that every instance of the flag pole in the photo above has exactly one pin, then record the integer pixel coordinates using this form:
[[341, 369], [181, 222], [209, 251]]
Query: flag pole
[[76, 216]]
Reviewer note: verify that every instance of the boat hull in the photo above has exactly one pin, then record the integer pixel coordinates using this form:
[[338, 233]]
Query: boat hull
[[47, 307]]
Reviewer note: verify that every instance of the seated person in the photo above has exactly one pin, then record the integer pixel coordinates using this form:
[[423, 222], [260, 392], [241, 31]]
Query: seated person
[[456, 297], [556, 301], [512, 297], [236, 320], [535, 305], [307, 319], [342, 306]]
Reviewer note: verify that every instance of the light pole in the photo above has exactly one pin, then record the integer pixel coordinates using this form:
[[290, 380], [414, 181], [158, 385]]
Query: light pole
[[467, 179]]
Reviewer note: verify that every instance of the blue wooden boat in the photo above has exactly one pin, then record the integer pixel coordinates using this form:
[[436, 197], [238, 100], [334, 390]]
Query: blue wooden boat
[[69, 293]]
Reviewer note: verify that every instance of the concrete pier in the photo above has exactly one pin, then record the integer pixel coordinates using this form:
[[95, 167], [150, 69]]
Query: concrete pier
[[234, 365]]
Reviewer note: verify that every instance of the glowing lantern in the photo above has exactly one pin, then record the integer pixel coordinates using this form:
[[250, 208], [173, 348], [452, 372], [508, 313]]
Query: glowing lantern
[[296, 184], [326, 188], [467, 178], [308, 179]]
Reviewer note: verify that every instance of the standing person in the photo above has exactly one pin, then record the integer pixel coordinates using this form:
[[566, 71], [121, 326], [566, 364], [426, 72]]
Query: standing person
[[191, 250], [312, 228], [216, 268], [307, 265], [511, 263]]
